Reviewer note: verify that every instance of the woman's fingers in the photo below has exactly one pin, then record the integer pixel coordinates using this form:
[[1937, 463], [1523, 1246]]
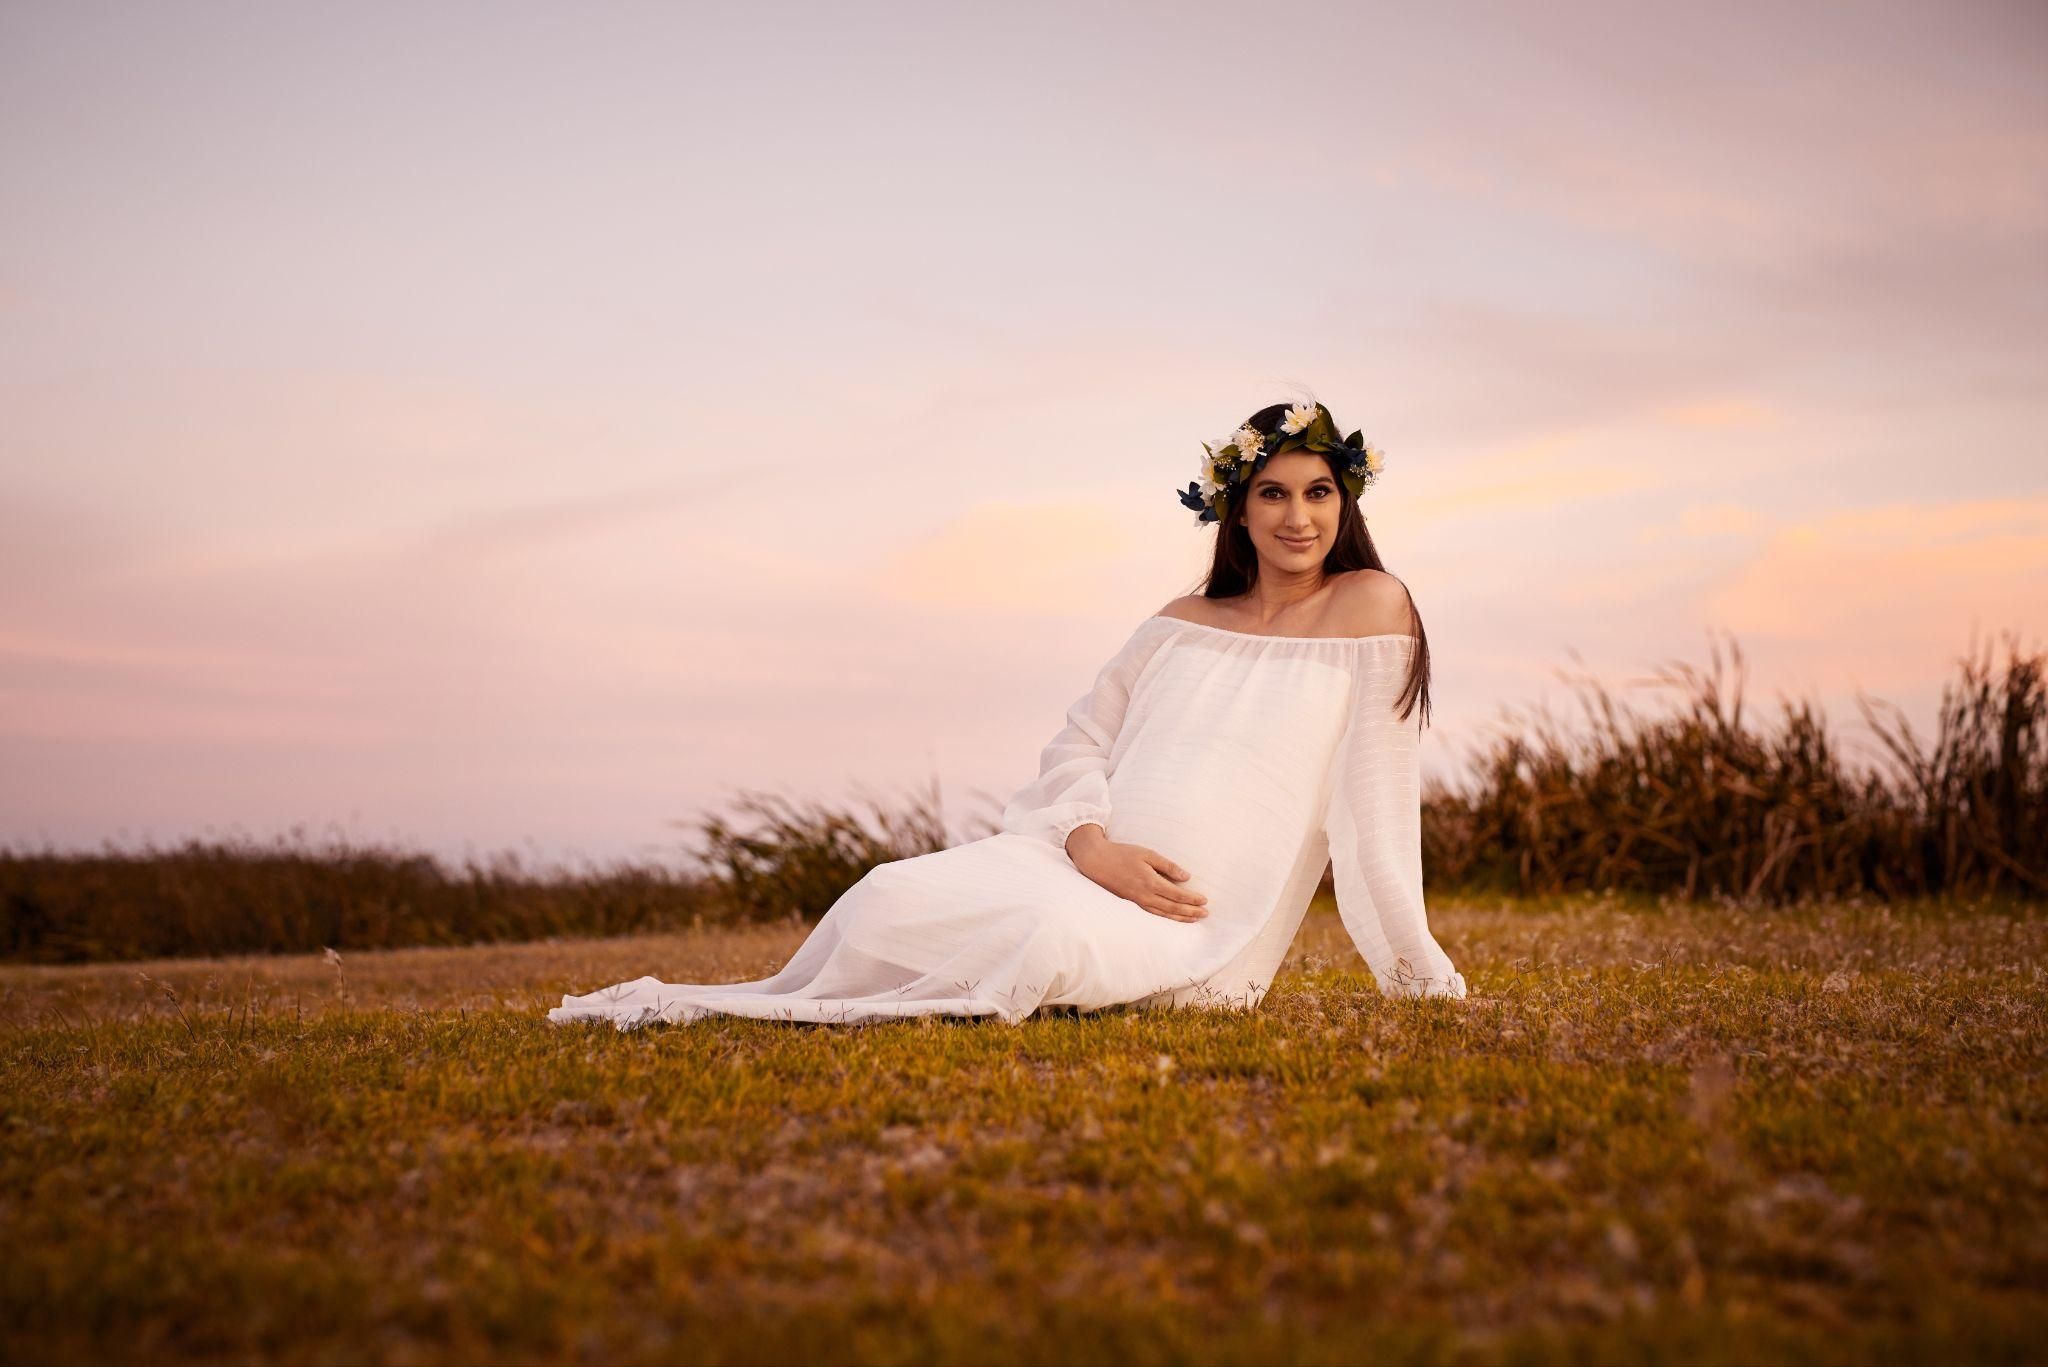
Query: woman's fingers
[[1165, 865], [1181, 906], [1160, 861], [1168, 870], [1164, 895], [1172, 911]]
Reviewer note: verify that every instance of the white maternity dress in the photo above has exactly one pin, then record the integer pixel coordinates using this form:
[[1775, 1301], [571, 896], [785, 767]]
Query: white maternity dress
[[1250, 760]]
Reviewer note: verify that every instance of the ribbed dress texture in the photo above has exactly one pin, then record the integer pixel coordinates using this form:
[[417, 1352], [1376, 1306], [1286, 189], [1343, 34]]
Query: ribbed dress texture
[[1249, 760]]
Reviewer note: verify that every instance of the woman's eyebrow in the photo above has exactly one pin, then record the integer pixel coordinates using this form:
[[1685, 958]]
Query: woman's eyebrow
[[1276, 484]]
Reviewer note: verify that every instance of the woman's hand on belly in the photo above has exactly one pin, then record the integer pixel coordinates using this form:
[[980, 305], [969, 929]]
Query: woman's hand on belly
[[1136, 873]]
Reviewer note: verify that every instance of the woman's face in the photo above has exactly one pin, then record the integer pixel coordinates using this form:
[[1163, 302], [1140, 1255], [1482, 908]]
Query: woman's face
[[1291, 511]]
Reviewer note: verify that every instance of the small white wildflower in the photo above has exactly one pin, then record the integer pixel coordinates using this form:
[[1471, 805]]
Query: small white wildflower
[[1299, 416]]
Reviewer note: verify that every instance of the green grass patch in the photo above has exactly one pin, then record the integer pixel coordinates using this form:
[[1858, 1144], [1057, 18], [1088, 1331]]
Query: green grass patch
[[1636, 1150]]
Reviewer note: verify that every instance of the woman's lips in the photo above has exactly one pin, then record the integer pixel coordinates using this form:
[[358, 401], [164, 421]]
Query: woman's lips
[[1301, 545]]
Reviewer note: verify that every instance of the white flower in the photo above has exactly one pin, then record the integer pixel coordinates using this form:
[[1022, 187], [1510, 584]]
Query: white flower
[[1298, 418], [1247, 441], [1374, 458]]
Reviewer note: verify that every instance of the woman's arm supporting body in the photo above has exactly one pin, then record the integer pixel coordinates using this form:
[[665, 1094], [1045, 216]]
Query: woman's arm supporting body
[[1374, 816]]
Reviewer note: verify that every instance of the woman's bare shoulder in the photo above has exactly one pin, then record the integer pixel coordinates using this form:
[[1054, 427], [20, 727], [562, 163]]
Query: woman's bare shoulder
[[1190, 607], [1374, 603]]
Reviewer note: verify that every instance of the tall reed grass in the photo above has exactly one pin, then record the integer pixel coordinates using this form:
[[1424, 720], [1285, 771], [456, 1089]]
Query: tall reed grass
[[1700, 802], [1696, 802]]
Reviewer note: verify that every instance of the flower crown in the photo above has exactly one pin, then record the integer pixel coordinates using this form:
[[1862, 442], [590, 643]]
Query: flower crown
[[1232, 460]]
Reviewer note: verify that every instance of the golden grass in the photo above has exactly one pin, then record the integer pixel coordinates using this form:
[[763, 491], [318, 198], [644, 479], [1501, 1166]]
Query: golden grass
[[1675, 1133]]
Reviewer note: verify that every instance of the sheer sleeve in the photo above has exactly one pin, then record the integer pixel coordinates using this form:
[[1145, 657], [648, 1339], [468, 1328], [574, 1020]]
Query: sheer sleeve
[[1374, 825], [1072, 787]]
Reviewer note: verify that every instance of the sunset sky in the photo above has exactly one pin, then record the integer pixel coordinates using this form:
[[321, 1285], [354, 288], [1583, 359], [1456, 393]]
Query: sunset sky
[[518, 426]]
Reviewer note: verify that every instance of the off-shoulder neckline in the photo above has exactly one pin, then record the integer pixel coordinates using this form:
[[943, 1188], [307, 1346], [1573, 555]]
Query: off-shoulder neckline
[[1263, 636]]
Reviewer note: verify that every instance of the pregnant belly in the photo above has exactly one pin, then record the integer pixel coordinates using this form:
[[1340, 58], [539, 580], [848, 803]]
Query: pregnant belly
[[1236, 839]]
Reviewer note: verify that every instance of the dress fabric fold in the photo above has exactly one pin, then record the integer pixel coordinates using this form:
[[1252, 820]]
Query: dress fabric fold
[[1250, 760]]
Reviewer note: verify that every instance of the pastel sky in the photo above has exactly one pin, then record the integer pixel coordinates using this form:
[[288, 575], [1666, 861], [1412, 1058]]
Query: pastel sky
[[523, 426]]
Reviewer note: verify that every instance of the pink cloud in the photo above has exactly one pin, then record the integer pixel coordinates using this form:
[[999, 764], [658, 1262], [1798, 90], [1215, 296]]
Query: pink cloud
[[1880, 594]]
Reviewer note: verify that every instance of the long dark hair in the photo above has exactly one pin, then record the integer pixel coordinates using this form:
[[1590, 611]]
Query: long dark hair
[[1234, 568]]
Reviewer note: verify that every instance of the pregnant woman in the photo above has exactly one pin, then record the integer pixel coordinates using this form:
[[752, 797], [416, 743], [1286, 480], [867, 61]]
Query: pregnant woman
[[1180, 821]]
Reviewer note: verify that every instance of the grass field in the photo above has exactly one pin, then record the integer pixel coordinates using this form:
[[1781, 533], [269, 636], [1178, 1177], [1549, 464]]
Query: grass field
[[1672, 1134]]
